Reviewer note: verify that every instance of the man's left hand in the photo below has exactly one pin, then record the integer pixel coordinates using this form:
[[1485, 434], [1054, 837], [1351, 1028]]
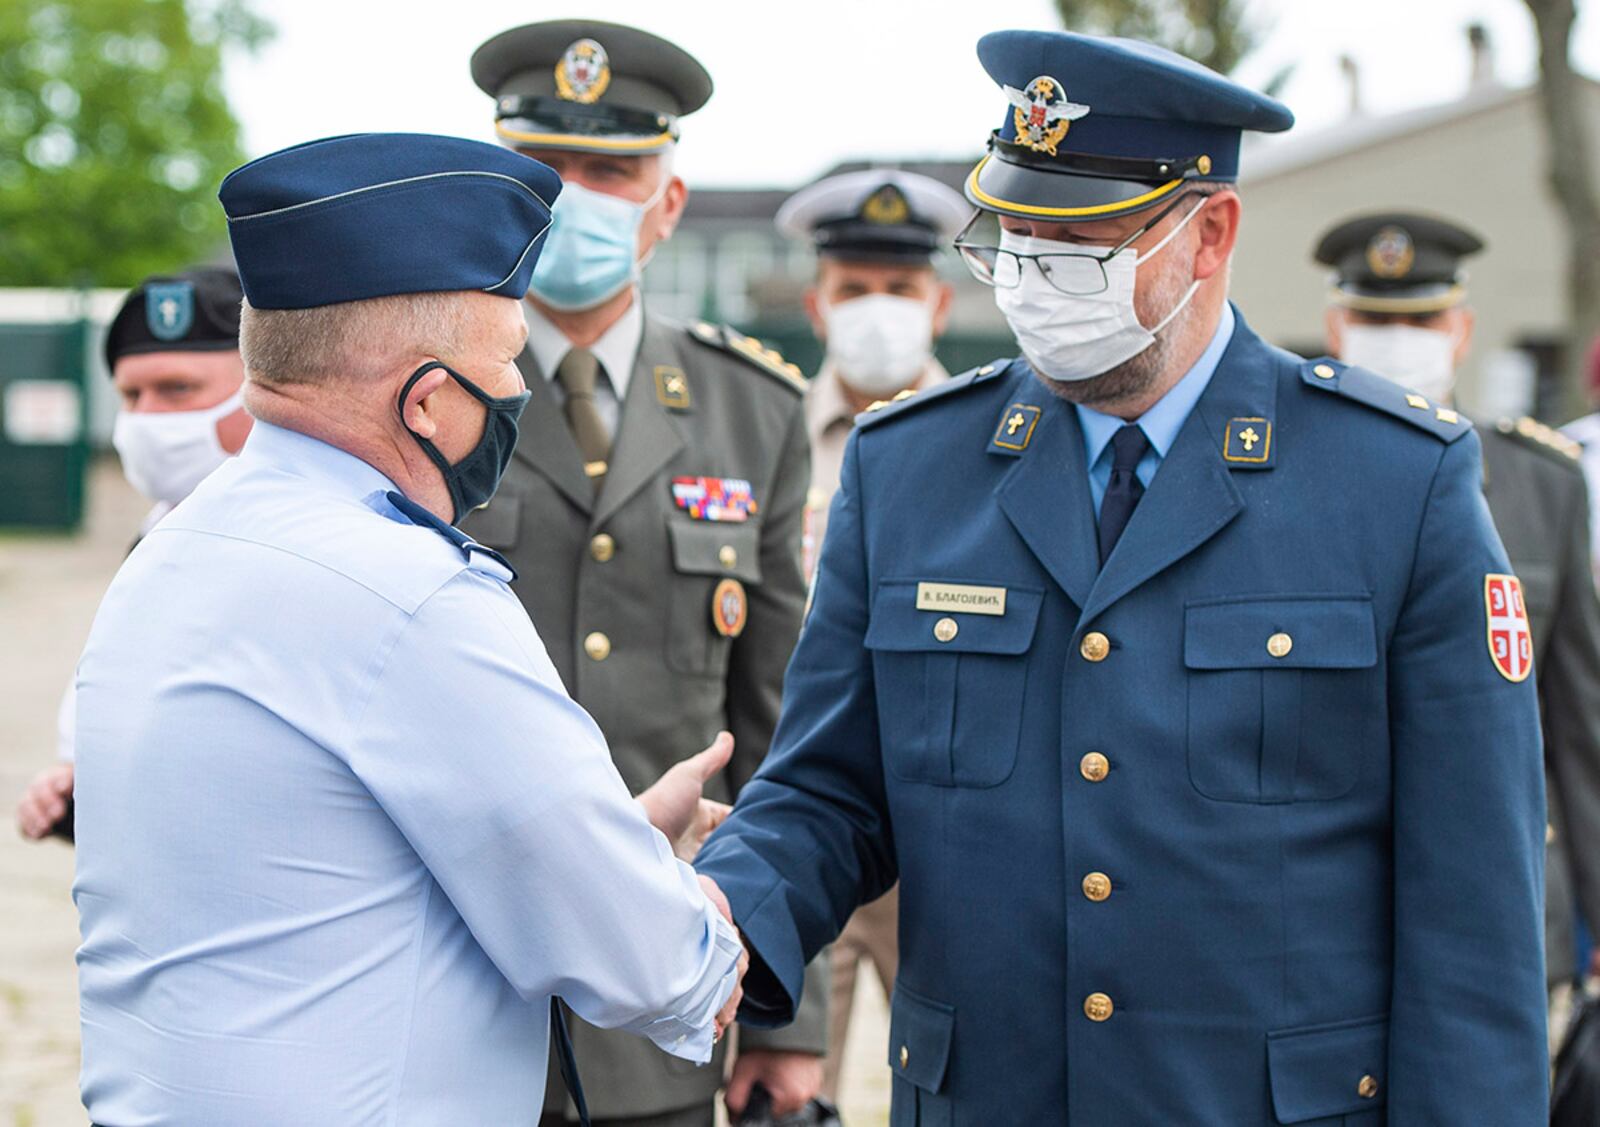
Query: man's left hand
[[792, 1079]]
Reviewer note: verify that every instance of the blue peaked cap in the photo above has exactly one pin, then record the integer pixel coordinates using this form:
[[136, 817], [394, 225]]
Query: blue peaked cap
[[374, 214], [1097, 127]]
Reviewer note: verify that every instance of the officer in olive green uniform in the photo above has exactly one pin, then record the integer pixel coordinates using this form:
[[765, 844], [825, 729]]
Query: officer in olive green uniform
[[1398, 307], [655, 506]]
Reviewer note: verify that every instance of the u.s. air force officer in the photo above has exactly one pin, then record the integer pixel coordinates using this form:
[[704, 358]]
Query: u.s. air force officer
[[1398, 305], [342, 832], [1181, 682], [655, 503]]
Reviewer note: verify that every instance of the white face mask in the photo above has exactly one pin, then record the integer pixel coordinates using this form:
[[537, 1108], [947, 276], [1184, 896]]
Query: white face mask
[[1071, 337], [1420, 359], [879, 342], [165, 454]]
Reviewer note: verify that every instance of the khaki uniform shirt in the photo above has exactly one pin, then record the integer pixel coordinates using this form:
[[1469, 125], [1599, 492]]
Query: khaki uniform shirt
[[829, 420]]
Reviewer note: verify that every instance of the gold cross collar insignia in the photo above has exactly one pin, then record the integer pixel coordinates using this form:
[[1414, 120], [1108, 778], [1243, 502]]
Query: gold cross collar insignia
[[1016, 427], [1247, 440]]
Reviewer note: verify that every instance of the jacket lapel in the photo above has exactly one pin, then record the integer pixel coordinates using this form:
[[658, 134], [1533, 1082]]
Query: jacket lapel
[[546, 443], [1193, 496], [648, 438], [1046, 495]]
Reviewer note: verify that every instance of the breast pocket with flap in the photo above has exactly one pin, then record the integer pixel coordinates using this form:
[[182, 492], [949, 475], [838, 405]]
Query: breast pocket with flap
[[1281, 694], [950, 685], [704, 553]]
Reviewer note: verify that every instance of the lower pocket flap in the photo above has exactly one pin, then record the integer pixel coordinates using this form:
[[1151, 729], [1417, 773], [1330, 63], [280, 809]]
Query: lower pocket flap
[[919, 1038], [1325, 1070]]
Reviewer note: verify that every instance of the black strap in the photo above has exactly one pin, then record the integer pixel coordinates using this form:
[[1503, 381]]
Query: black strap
[[567, 1060], [420, 516]]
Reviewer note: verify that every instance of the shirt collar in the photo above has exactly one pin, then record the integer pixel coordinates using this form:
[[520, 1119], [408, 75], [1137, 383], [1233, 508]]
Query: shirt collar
[[322, 464], [617, 348], [1162, 422]]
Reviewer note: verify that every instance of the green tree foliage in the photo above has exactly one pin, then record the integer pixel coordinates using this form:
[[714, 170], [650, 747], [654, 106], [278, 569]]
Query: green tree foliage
[[1213, 32], [114, 132]]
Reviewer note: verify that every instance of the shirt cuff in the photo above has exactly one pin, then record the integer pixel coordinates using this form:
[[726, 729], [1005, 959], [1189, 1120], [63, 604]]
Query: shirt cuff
[[690, 1033]]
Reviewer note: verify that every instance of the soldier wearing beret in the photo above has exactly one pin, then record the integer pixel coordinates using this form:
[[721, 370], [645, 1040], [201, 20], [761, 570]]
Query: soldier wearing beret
[[1182, 683], [1398, 305], [173, 354], [655, 504]]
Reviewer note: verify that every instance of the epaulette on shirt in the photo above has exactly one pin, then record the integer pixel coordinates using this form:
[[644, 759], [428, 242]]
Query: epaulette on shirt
[[765, 359], [1545, 440], [910, 400], [1371, 389]]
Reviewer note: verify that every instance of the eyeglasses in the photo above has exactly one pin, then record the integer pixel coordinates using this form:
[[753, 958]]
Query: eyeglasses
[[1076, 274]]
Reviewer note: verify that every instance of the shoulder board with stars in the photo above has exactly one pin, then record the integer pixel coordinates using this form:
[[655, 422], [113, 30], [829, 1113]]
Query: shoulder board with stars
[[1371, 389], [1546, 440], [768, 360], [908, 400]]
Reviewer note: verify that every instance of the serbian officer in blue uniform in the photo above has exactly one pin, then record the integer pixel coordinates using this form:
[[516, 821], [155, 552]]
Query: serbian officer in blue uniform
[[343, 832], [656, 501], [1181, 682]]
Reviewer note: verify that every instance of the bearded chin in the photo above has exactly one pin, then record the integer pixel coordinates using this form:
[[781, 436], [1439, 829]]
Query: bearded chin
[[1133, 378]]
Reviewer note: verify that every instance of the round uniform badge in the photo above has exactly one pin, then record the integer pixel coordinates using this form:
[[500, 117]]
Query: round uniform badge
[[729, 608]]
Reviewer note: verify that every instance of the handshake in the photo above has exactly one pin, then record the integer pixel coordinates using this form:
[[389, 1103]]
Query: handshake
[[676, 806]]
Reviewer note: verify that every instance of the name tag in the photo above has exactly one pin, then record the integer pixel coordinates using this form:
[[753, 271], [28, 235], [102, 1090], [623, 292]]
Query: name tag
[[961, 598]]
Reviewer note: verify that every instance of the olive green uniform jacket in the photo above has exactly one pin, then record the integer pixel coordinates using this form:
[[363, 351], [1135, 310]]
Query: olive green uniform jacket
[[1540, 505], [620, 588]]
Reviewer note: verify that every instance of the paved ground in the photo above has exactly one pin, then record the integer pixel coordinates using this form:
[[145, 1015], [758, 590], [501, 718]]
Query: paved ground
[[49, 588]]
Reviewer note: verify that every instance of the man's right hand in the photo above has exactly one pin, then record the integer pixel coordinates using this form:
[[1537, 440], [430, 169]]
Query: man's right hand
[[44, 803], [730, 1008]]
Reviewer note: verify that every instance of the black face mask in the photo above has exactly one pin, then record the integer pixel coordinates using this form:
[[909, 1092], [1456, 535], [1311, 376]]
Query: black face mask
[[473, 480]]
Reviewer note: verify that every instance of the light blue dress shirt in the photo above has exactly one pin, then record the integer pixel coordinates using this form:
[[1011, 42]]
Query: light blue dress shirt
[[1160, 424], [342, 833]]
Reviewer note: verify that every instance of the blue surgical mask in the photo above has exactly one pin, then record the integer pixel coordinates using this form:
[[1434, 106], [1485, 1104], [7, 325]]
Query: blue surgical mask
[[589, 252]]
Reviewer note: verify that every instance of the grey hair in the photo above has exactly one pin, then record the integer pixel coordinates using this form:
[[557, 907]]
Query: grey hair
[[349, 340]]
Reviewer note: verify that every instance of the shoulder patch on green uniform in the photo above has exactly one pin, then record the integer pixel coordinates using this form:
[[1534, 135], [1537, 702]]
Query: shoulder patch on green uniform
[[885, 409], [1371, 389], [1544, 439], [765, 359]]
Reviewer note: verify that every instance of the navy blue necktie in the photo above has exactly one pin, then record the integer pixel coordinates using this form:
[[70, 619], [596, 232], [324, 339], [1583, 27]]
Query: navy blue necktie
[[1128, 445]]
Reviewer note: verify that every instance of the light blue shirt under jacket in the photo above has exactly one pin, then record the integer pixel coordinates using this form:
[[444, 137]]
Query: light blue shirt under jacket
[[1160, 424], [341, 831]]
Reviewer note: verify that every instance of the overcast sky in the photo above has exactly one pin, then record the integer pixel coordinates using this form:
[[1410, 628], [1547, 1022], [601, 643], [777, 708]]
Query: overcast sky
[[802, 84]]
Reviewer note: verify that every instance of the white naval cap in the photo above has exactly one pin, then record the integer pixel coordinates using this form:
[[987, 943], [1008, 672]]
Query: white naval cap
[[876, 214]]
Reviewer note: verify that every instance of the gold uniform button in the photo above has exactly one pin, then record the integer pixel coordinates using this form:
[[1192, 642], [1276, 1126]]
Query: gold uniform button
[[597, 646], [946, 629], [1095, 646], [1097, 1007], [905, 1056], [1323, 372], [728, 556], [1279, 645], [1097, 886], [602, 548], [1094, 767], [1368, 1088]]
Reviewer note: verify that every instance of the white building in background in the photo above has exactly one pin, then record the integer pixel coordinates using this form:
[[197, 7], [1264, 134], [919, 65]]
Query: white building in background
[[1480, 161]]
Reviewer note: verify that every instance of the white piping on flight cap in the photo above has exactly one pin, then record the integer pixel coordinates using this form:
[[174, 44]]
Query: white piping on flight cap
[[392, 183], [521, 256]]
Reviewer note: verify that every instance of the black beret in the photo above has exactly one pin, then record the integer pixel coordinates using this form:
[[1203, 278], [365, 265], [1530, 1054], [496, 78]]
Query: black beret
[[195, 311]]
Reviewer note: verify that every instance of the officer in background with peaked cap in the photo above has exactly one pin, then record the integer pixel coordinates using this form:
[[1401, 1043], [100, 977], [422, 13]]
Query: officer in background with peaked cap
[[1181, 682], [878, 305], [409, 837], [1398, 304], [655, 504]]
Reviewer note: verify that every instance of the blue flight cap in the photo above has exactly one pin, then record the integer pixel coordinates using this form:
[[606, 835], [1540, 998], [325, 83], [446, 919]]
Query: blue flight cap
[[375, 214], [1099, 127]]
